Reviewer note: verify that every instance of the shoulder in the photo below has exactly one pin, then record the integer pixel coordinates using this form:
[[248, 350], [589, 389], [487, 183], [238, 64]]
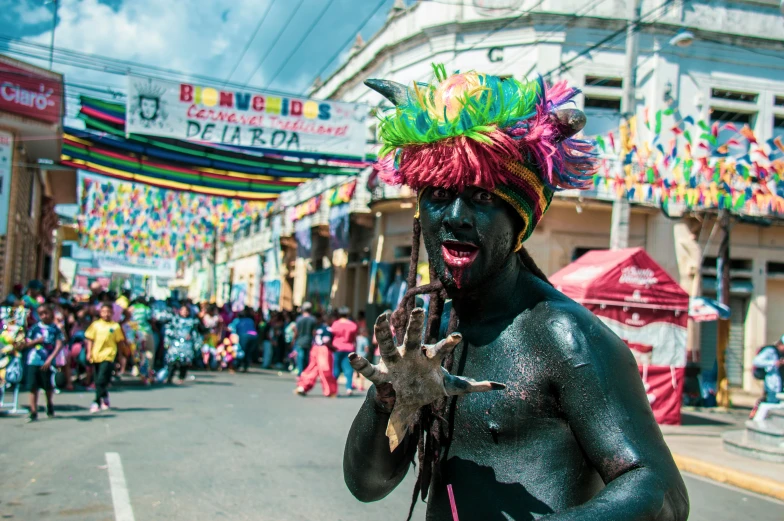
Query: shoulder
[[574, 334], [564, 314]]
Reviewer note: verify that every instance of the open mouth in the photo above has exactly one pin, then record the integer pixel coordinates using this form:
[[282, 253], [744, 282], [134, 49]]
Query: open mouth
[[459, 254]]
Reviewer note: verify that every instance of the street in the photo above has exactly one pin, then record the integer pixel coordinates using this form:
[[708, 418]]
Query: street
[[237, 447]]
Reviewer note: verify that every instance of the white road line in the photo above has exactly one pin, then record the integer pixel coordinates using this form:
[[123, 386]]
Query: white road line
[[120, 497]]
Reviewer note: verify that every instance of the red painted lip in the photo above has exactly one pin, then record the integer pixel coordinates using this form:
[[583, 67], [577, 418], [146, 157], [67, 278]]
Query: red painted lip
[[459, 254]]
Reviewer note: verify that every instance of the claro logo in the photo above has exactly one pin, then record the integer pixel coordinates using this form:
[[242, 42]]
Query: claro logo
[[17, 94]]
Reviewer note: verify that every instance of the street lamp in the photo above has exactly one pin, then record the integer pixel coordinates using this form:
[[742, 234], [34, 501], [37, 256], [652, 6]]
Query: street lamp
[[683, 39]]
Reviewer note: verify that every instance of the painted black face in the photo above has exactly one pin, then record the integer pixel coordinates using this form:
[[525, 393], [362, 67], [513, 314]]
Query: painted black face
[[468, 235]]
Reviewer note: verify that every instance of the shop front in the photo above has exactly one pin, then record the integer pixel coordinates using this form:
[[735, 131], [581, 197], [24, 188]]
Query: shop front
[[31, 108]]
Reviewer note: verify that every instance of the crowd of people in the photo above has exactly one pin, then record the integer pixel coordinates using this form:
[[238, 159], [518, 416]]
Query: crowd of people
[[53, 342]]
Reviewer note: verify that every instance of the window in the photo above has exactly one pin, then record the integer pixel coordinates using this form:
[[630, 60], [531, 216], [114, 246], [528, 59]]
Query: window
[[778, 101], [603, 115], [730, 95], [775, 268], [598, 81], [739, 119], [709, 263], [730, 116], [778, 126], [602, 103]]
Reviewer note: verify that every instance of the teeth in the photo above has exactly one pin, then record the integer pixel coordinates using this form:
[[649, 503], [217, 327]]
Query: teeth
[[460, 253]]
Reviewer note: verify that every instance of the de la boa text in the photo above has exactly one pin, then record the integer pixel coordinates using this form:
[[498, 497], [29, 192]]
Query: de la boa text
[[231, 128]]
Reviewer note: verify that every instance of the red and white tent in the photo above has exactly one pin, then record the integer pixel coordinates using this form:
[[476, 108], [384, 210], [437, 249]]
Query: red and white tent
[[644, 306]]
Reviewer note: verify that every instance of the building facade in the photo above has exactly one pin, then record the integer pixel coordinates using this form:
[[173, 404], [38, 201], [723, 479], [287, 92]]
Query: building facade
[[730, 73], [31, 108]]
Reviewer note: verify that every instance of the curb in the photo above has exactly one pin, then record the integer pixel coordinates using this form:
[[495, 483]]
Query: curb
[[750, 482]]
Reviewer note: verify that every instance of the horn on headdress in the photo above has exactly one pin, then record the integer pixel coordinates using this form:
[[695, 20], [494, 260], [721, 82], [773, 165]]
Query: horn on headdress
[[395, 92], [568, 122]]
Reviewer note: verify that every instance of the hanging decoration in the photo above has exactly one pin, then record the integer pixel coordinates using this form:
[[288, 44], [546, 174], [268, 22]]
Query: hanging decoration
[[670, 159], [156, 197], [306, 208], [341, 194], [138, 220]]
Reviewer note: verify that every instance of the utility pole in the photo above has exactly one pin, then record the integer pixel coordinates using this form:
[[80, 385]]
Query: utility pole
[[54, 27], [619, 230], [723, 294]]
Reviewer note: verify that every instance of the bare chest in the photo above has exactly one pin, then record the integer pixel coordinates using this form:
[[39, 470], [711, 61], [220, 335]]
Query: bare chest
[[526, 405]]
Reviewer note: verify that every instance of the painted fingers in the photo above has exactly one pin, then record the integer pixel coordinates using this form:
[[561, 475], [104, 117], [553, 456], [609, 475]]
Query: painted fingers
[[386, 342], [412, 343], [460, 385], [444, 347], [413, 340], [368, 370]]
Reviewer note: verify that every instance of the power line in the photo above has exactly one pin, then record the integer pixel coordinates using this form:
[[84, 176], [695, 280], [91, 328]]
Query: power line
[[250, 40], [540, 39], [348, 41], [568, 64], [275, 40], [300, 42], [496, 30], [112, 65]]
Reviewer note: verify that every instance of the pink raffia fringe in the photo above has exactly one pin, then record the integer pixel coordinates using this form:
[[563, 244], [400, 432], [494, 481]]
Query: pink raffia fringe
[[455, 162], [452, 502]]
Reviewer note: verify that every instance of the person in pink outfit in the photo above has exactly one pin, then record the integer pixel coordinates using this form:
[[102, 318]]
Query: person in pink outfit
[[321, 363], [344, 333]]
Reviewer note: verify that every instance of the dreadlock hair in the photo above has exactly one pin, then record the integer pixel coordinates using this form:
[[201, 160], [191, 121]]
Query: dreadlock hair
[[433, 423]]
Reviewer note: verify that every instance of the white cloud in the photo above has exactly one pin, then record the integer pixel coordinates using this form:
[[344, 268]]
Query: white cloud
[[34, 14], [187, 36]]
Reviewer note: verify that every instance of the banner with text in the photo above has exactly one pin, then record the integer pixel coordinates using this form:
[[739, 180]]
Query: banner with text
[[151, 267], [246, 118]]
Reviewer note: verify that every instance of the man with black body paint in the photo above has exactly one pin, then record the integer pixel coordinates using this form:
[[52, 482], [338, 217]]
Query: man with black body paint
[[571, 437]]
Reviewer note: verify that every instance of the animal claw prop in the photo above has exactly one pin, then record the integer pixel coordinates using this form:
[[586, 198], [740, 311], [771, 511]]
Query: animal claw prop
[[414, 371]]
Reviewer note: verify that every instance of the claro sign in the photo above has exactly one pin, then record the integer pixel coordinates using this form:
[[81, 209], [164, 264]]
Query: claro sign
[[31, 95]]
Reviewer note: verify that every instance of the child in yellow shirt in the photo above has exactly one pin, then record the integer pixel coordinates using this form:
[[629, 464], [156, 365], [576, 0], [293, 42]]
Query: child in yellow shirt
[[104, 337]]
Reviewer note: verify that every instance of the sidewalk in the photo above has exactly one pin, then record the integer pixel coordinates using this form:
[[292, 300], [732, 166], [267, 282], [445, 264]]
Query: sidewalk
[[697, 448]]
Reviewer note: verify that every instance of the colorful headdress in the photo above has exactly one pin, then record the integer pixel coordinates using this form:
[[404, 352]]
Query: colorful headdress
[[507, 136]]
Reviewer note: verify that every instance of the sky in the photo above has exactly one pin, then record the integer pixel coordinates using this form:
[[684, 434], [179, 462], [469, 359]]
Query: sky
[[202, 37]]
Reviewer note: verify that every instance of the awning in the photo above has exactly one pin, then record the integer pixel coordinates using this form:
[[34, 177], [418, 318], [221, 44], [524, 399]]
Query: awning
[[628, 277]]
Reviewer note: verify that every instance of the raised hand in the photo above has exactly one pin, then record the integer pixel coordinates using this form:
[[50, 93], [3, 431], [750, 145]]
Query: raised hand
[[414, 372]]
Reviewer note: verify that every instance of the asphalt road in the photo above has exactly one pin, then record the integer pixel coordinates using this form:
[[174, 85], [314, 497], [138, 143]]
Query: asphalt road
[[235, 447]]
